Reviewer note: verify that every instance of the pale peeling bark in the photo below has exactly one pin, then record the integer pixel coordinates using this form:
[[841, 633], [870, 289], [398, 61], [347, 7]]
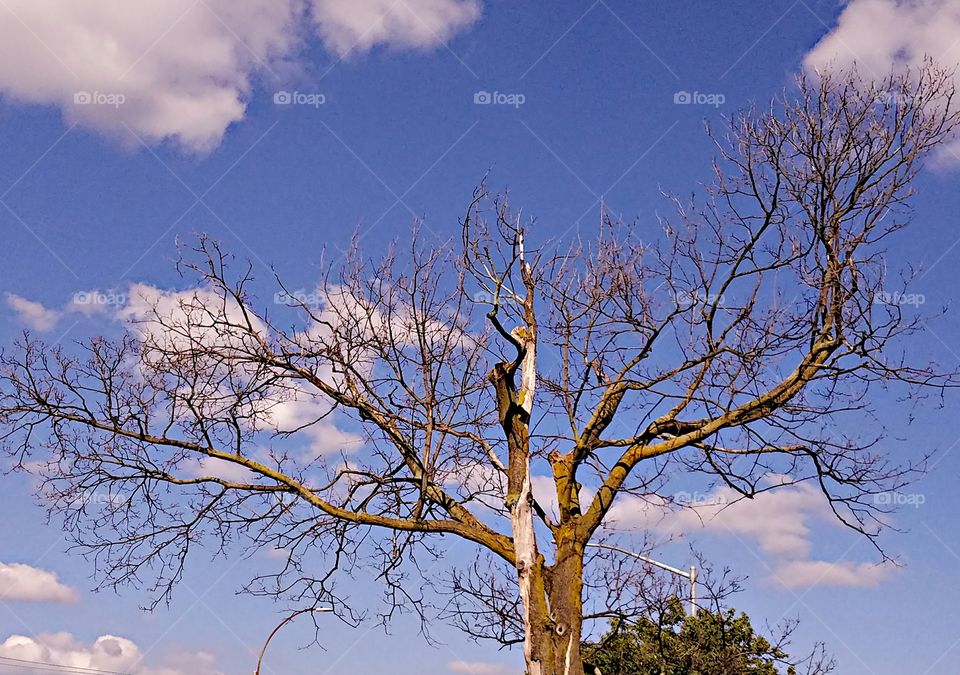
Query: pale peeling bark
[[550, 596], [521, 511], [515, 404], [525, 544], [520, 490]]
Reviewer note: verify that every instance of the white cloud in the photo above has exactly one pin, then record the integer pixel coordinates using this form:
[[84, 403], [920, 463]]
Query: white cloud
[[545, 492], [359, 26], [290, 409], [780, 522], [217, 468], [86, 303], [176, 320], [806, 573], [777, 520], [147, 310], [23, 583], [303, 411], [34, 314], [142, 308], [479, 668], [182, 70], [107, 652], [883, 35]]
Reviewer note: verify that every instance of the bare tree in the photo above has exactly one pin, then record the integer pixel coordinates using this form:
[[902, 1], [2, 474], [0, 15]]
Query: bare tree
[[728, 345]]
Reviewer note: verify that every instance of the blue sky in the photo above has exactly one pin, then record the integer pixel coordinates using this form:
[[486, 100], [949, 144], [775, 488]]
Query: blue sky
[[387, 122]]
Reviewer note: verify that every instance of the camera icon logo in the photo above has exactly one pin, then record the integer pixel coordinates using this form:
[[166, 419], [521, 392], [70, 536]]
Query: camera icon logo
[[282, 98], [483, 98], [683, 98], [82, 98]]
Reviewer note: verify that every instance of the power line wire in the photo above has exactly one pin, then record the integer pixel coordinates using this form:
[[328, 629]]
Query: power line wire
[[11, 662]]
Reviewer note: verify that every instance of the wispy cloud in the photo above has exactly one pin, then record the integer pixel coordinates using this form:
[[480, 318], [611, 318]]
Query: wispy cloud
[[804, 573], [32, 313], [41, 318]]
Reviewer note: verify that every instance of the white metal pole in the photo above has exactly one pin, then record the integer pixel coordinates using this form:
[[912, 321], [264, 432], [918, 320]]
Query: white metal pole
[[691, 575], [693, 591]]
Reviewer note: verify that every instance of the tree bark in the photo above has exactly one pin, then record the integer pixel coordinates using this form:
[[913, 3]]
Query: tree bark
[[530, 572], [564, 595], [553, 610], [551, 596]]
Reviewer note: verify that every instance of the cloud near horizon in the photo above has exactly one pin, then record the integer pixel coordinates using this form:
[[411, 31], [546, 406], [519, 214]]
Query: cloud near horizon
[[480, 668], [182, 70], [106, 653]]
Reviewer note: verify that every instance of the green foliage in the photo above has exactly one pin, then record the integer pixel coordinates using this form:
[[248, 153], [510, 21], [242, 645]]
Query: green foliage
[[711, 643]]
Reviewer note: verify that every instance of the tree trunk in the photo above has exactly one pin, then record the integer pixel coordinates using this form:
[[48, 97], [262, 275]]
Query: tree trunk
[[529, 575], [553, 614], [551, 596]]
